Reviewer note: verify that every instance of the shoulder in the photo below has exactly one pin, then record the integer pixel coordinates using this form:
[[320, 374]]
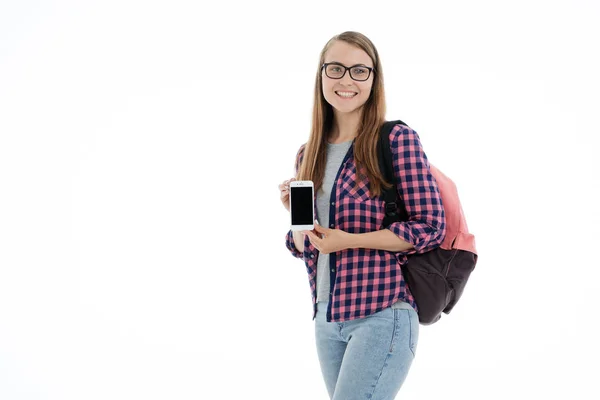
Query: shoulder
[[301, 150], [403, 135], [300, 155]]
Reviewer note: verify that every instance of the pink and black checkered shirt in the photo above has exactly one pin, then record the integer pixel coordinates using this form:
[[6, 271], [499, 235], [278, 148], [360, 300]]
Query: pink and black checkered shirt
[[365, 281]]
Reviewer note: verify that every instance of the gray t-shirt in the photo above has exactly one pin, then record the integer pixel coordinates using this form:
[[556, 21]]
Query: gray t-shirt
[[335, 155]]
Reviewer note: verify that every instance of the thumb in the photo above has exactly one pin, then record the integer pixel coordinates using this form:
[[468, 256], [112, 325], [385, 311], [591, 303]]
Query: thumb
[[319, 228]]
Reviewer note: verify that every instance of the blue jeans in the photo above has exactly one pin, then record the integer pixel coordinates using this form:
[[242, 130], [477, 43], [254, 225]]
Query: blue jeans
[[366, 358]]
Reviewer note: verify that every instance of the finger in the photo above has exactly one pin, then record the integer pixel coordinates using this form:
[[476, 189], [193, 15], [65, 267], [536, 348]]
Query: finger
[[319, 228], [309, 238], [312, 237], [314, 241]]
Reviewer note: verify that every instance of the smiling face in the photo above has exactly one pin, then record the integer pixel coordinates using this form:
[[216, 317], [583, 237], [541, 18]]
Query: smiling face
[[346, 95]]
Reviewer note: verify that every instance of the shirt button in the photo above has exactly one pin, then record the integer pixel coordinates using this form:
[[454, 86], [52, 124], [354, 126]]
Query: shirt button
[[331, 226], [312, 256], [333, 203], [332, 269]]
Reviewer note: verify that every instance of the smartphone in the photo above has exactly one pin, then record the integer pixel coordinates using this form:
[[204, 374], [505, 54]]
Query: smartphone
[[302, 205]]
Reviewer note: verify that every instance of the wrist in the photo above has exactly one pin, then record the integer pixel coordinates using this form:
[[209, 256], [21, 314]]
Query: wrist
[[353, 241]]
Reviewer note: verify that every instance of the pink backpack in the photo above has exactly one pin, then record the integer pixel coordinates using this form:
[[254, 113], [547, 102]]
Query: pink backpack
[[438, 277]]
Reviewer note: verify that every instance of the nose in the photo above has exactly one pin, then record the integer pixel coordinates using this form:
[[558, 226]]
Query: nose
[[346, 79]]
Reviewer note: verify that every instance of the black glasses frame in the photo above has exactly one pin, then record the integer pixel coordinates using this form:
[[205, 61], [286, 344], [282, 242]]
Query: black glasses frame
[[346, 69]]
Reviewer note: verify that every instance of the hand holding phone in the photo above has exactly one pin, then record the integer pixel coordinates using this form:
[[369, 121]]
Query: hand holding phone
[[302, 205], [284, 189]]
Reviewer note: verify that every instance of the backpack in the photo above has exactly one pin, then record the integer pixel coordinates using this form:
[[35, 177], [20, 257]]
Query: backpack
[[437, 277]]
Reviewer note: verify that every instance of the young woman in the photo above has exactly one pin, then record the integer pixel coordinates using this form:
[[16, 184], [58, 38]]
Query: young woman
[[366, 326]]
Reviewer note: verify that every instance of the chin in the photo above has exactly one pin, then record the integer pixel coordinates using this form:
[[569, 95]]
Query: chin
[[344, 109]]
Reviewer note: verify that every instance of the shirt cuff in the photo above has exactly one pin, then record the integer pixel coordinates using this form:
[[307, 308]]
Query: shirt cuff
[[422, 236]]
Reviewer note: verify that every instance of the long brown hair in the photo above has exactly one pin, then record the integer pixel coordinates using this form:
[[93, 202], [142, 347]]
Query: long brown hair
[[372, 118]]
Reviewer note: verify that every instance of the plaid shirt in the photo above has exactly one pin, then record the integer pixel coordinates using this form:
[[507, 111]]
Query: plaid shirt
[[365, 281]]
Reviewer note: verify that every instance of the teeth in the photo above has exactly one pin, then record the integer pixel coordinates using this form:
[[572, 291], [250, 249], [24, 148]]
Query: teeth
[[346, 94]]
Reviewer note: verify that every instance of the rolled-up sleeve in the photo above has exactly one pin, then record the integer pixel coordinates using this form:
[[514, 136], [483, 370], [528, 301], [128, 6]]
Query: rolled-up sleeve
[[289, 237], [426, 225]]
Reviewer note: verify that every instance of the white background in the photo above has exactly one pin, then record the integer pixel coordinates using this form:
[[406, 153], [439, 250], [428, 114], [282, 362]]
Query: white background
[[142, 246]]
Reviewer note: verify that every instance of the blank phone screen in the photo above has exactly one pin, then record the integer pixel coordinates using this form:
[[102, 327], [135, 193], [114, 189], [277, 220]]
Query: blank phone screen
[[302, 205]]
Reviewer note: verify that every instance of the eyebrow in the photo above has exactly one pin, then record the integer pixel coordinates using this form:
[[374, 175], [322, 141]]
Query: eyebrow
[[355, 65]]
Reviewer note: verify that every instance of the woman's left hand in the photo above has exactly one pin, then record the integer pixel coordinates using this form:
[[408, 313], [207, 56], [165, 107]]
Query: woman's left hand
[[328, 240]]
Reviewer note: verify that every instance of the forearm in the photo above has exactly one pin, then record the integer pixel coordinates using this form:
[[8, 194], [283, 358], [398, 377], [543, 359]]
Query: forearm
[[298, 240], [383, 240]]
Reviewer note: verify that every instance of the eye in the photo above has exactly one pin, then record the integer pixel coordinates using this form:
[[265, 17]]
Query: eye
[[359, 71]]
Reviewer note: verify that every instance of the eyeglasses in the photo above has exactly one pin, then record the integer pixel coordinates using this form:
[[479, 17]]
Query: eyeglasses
[[337, 71]]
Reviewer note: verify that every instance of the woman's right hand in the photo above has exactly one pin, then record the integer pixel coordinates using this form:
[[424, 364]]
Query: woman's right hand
[[284, 189]]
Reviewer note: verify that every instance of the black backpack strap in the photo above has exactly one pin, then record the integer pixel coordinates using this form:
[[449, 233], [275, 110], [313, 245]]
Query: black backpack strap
[[394, 205]]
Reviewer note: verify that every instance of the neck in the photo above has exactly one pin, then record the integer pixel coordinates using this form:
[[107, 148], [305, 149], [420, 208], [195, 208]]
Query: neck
[[345, 126]]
